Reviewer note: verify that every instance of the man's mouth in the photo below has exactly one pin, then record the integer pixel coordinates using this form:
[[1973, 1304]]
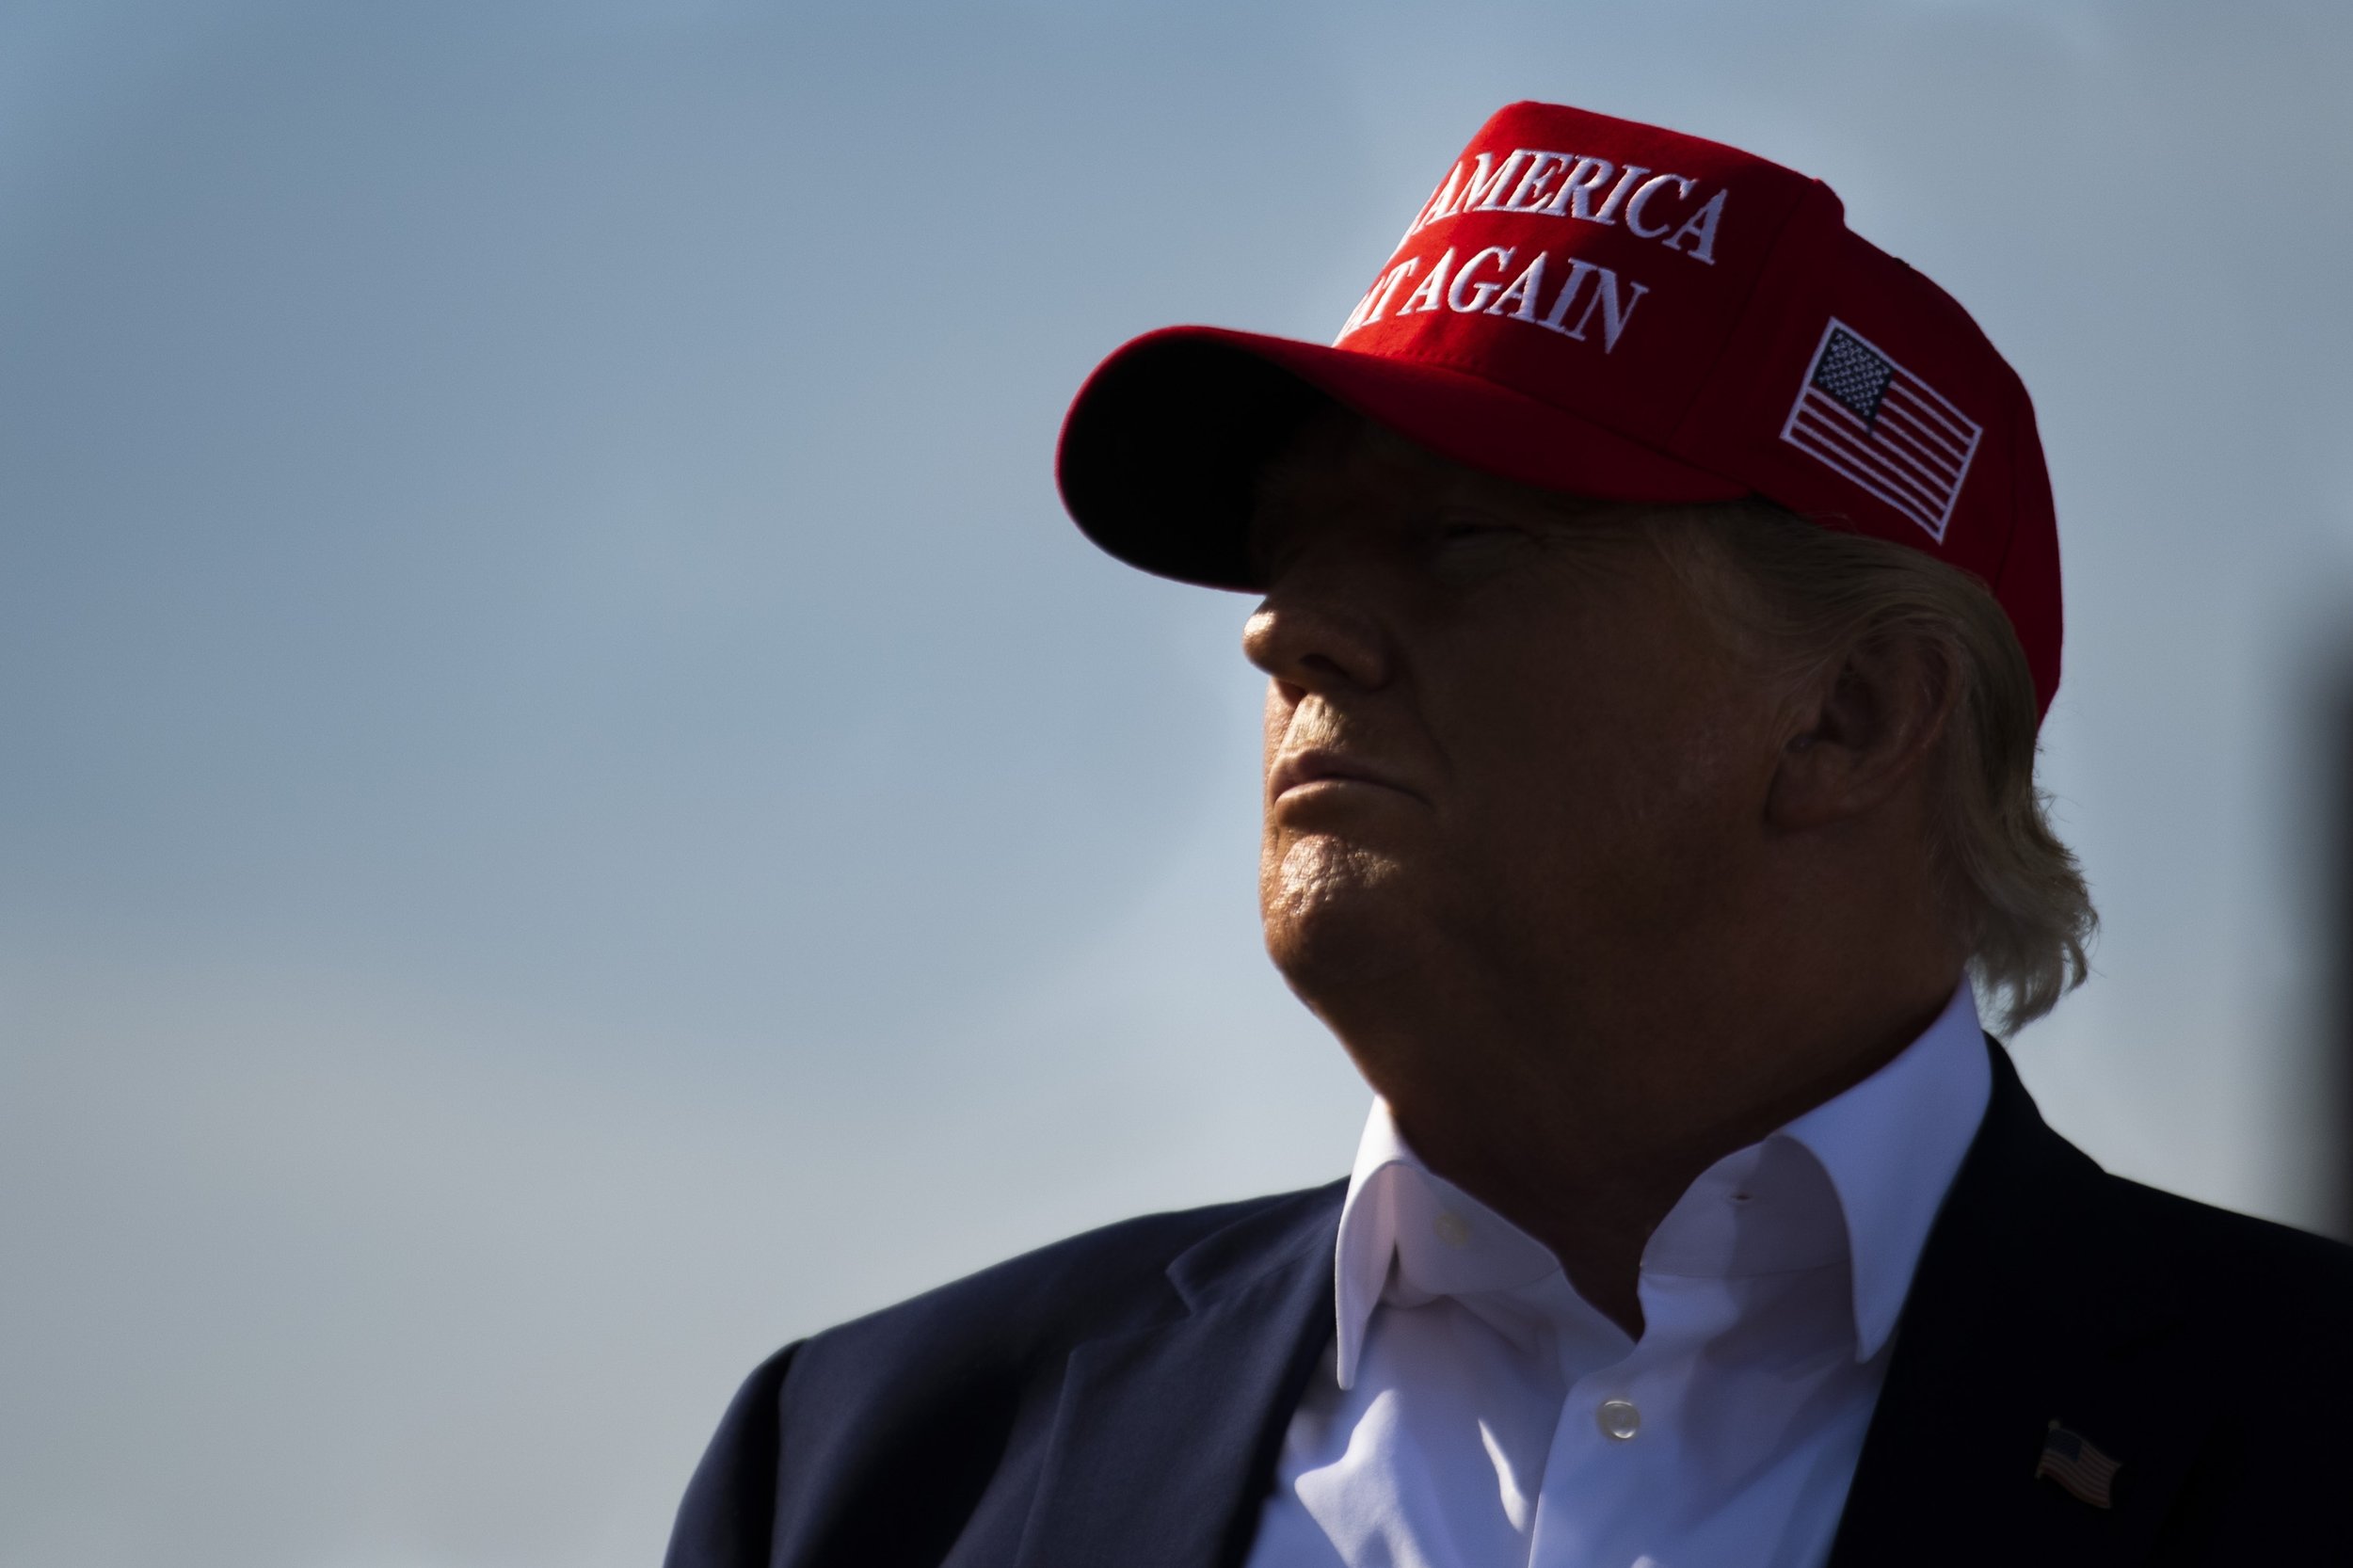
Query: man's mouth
[[1318, 768]]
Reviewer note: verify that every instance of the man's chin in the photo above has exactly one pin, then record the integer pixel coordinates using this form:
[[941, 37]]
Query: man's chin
[[1339, 915]]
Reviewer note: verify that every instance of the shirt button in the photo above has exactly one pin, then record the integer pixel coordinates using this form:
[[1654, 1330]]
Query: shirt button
[[1452, 1229], [1618, 1419]]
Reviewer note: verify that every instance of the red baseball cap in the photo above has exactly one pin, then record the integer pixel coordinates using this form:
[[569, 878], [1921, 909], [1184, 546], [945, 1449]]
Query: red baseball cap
[[1597, 306]]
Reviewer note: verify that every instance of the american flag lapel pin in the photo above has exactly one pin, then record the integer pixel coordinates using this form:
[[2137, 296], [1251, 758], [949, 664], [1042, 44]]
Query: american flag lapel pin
[[2084, 1471]]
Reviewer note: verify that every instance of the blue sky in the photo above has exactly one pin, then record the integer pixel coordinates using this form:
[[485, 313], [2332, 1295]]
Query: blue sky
[[574, 809]]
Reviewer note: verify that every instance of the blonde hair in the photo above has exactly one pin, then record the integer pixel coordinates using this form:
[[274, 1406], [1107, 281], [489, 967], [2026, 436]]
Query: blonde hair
[[1813, 594]]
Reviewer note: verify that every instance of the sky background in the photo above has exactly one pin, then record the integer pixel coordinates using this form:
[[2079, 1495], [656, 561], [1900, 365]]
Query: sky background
[[572, 809]]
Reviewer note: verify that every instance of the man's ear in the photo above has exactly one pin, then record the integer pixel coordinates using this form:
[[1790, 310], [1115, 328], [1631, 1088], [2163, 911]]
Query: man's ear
[[1863, 730]]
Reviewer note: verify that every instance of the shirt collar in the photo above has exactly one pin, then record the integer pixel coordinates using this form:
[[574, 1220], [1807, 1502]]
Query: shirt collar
[[1459, 1246], [1890, 1147]]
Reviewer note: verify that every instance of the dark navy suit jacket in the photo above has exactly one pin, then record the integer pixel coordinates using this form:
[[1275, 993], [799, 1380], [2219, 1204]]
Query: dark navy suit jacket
[[1117, 1400]]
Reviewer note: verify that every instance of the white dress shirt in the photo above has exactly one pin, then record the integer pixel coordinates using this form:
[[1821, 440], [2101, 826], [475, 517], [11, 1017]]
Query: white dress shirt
[[1475, 1412]]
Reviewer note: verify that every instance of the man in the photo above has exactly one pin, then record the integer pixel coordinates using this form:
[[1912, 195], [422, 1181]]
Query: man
[[1660, 602]]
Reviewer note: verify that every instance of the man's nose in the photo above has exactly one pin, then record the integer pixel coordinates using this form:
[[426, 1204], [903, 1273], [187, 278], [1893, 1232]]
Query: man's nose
[[1317, 631]]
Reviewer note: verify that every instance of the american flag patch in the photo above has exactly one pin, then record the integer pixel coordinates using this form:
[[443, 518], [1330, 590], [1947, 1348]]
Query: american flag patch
[[2068, 1459], [1882, 426]]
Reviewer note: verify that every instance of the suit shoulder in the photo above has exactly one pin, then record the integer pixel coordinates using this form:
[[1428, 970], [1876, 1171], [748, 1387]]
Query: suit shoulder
[[2238, 1265], [2198, 1231], [956, 1387], [1044, 1300]]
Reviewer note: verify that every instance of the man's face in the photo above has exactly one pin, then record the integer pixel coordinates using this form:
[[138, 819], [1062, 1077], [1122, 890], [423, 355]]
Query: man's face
[[1508, 752]]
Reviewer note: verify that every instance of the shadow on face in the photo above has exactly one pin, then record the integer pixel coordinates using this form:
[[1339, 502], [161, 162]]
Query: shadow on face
[[1508, 750]]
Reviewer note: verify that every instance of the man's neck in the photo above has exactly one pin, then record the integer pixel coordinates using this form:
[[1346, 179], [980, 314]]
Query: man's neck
[[1587, 1143]]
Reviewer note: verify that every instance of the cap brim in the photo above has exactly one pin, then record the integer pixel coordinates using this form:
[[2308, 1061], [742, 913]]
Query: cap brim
[[1162, 445]]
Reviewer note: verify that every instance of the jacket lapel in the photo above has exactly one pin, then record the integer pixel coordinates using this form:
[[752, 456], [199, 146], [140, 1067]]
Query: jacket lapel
[[1165, 1436], [2034, 1302]]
